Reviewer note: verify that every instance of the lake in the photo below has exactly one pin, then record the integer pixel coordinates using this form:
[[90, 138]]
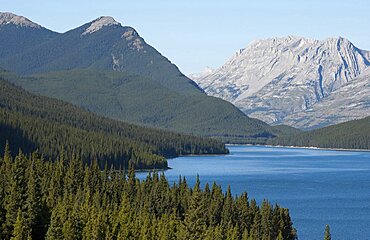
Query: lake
[[318, 186]]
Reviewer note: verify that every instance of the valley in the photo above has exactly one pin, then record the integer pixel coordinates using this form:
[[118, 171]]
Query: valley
[[104, 137]]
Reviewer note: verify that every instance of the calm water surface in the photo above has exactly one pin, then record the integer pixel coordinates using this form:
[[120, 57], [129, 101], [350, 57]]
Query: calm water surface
[[318, 186]]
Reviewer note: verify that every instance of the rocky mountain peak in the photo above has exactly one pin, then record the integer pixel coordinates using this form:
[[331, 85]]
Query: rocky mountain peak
[[99, 23], [10, 18], [273, 78]]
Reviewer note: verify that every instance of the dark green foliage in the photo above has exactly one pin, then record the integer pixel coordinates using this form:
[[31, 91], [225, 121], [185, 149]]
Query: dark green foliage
[[327, 235], [32, 122], [145, 87], [94, 204], [73, 50], [15, 39], [138, 99], [354, 134]]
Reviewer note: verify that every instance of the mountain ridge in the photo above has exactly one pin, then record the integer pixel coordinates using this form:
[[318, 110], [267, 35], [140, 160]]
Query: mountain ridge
[[274, 78], [10, 18], [113, 72], [31, 122], [354, 134]]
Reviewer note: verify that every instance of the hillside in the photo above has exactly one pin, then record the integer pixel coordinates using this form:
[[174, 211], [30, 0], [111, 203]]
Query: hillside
[[109, 69], [138, 100], [294, 81], [109, 46], [18, 34], [353, 134], [33, 122]]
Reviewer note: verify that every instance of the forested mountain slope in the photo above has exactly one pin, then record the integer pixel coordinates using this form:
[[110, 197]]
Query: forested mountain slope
[[18, 34], [137, 99], [109, 69], [353, 134], [34, 122]]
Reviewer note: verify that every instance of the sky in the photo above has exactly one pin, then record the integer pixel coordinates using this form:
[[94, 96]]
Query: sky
[[195, 34]]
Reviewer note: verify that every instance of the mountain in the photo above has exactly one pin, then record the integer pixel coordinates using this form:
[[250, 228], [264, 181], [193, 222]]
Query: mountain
[[352, 101], [101, 44], [18, 34], [353, 134], [33, 122], [290, 80], [137, 99], [109, 69]]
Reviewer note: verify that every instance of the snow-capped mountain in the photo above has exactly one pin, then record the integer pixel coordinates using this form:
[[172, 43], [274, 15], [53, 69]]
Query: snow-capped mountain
[[278, 78]]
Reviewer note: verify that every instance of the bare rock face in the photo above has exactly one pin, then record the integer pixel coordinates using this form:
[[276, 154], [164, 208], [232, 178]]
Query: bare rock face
[[10, 18], [100, 23], [280, 79]]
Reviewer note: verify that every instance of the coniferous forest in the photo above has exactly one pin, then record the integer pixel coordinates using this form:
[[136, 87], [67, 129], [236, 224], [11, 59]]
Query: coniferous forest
[[66, 199], [32, 122]]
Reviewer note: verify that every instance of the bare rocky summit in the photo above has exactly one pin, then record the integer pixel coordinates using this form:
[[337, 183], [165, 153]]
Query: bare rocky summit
[[297, 81], [99, 23], [10, 18]]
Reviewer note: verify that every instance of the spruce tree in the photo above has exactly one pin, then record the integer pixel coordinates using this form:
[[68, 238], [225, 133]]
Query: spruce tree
[[58, 217], [256, 231], [280, 236], [20, 230], [327, 235], [266, 218], [228, 207], [125, 219], [16, 196], [195, 218], [34, 202]]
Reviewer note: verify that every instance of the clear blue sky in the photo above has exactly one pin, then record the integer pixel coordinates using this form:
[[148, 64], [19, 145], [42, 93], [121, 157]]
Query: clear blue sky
[[194, 34]]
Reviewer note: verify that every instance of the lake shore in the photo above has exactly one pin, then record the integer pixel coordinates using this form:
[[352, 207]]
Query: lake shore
[[300, 147]]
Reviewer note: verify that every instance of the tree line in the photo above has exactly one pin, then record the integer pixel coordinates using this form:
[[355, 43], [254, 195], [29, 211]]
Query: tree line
[[353, 134], [33, 122], [66, 199]]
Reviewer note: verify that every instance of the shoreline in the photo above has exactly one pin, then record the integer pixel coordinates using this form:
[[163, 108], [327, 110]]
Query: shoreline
[[300, 147]]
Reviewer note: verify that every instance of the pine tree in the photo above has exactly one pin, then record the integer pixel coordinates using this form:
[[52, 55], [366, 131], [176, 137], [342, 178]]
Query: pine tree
[[280, 236], [16, 196], [58, 216], [34, 202], [195, 219], [256, 232], [125, 219], [228, 208], [266, 218], [327, 235], [5, 166], [245, 235], [20, 232]]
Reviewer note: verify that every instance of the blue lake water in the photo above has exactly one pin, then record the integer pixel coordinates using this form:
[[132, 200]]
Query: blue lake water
[[318, 186]]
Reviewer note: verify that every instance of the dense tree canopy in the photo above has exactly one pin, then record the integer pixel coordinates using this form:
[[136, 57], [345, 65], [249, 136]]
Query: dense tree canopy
[[65, 199], [33, 122], [353, 134]]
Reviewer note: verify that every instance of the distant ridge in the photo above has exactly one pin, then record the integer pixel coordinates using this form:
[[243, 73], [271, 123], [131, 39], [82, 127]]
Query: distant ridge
[[353, 134], [286, 80], [109, 69]]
